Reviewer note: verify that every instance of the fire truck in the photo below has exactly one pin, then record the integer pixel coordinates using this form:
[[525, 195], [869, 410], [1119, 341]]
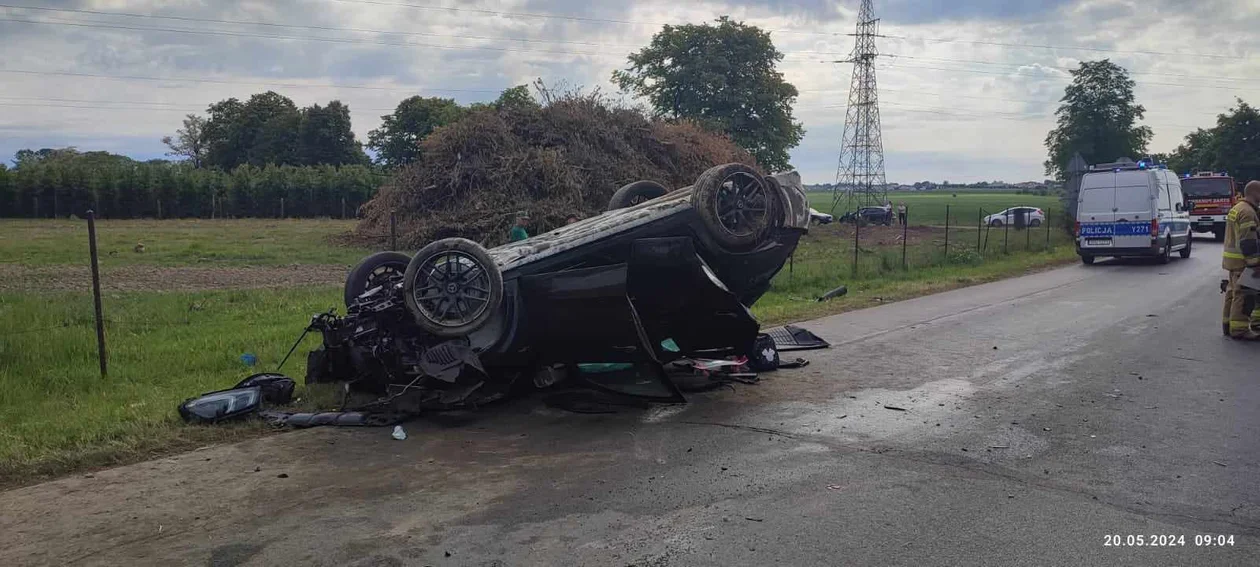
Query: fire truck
[[1210, 196]]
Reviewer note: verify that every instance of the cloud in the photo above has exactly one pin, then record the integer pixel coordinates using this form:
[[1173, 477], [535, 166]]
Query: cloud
[[969, 97]]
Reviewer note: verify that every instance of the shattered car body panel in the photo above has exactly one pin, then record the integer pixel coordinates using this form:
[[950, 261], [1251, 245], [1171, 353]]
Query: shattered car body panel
[[607, 289]]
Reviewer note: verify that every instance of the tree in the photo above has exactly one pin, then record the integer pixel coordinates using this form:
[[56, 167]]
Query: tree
[[723, 76], [1098, 118], [397, 141], [260, 131], [326, 138], [1233, 145], [189, 142]]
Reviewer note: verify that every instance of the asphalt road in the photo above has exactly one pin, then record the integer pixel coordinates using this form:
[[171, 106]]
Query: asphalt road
[[1043, 416]]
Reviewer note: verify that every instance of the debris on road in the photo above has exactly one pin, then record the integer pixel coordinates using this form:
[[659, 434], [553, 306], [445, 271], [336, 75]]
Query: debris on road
[[751, 519], [999, 446], [837, 292], [1219, 463], [398, 433], [895, 408]]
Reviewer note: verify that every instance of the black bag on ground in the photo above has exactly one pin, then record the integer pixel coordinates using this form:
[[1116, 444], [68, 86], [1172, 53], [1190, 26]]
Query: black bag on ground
[[765, 354]]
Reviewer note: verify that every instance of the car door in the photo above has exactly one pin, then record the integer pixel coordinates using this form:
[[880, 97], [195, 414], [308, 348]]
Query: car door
[[1136, 206], [1181, 226], [1095, 210]]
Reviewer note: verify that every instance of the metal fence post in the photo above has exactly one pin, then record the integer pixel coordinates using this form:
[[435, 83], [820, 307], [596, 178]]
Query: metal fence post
[[343, 208], [979, 222], [1027, 239], [393, 230], [1047, 231], [904, 224], [947, 232], [159, 204], [1006, 235], [96, 292], [281, 207], [857, 231]]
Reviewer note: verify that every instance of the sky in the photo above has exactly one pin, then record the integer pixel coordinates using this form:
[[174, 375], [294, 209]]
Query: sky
[[967, 89]]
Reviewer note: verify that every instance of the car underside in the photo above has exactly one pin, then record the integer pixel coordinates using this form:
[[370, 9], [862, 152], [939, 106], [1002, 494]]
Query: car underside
[[666, 276]]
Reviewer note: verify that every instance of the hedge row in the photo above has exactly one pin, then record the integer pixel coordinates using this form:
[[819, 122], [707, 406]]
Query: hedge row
[[173, 190]]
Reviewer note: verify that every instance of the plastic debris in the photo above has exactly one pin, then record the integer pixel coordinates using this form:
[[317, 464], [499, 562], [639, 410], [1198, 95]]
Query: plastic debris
[[248, 359], [398, 433]]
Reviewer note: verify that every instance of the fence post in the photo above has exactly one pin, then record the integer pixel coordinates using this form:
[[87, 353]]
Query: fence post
[[393, 230], [857, 231], [1006, 235], [904, 223], [159, 204], [96, 292], [343, 208], [1027, 239], [214, 204], [1047, 231], [281, 207], [946, 233], [979, 222]]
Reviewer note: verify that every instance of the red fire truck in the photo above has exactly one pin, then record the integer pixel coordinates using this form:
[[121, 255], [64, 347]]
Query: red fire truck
[[1210, 195]]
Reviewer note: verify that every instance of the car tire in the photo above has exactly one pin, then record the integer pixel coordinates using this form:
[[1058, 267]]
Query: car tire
[[635, 193], [452, 274], [995, 223], [734, 203], [1166, 256], [1185, 252], [369, 273], [1034, 223], [1087, 260]]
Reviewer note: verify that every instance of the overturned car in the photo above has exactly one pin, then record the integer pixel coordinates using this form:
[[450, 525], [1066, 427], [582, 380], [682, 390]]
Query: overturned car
[[659, 276]]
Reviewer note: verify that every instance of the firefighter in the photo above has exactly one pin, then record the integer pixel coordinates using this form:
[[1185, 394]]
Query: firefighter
[[1242, 251]]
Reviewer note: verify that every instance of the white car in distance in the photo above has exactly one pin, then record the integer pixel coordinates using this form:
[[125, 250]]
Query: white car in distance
[[1032, 217]]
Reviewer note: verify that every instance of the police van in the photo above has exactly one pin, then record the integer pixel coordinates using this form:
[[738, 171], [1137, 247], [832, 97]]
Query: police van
[[1131, 209]]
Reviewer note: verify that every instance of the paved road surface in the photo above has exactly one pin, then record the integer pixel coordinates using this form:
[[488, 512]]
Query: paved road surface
[[1042, 414]]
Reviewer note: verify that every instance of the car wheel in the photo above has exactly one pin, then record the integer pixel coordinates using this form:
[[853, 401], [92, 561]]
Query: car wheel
[[374, 271], [1035, 223], [995, 223], [734, 203], [452, 287], [1087, 260], [1166, 256], [1185, 252], [635, 193]]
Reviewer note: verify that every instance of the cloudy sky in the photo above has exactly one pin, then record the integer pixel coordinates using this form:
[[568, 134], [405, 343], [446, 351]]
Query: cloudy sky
[[968, 88]]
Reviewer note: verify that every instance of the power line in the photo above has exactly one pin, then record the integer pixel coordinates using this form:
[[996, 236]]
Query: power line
[[306, 38], [303, 27], [567, 17], [1025, 64], [1066, 47], [1060, 77], [105, 25], [247, 83]]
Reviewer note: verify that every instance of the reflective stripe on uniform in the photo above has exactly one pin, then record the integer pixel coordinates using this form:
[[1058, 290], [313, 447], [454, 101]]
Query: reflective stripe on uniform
[[1234, 255]]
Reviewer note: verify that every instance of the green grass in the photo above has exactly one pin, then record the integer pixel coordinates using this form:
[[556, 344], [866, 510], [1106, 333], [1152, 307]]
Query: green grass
[[58, 415], [929, 207], [178, 243]]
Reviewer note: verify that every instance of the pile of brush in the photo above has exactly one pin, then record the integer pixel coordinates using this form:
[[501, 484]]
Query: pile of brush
[[563, 158]]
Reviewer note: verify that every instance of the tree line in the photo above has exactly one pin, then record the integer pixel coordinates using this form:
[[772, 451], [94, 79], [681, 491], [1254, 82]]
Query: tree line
[[247, 157], [64, 182]]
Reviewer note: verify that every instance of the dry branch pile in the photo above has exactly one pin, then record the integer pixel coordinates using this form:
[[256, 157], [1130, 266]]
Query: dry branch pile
[[564, 158]]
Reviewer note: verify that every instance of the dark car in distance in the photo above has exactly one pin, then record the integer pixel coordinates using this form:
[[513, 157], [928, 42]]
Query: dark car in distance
[[456, 324]]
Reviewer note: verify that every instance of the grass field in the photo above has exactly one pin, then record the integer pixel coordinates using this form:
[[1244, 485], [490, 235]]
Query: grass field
[[57, 414], [929, 207], [246, 242]]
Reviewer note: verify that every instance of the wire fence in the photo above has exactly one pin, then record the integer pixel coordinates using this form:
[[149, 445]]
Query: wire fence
[[894, 247]]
